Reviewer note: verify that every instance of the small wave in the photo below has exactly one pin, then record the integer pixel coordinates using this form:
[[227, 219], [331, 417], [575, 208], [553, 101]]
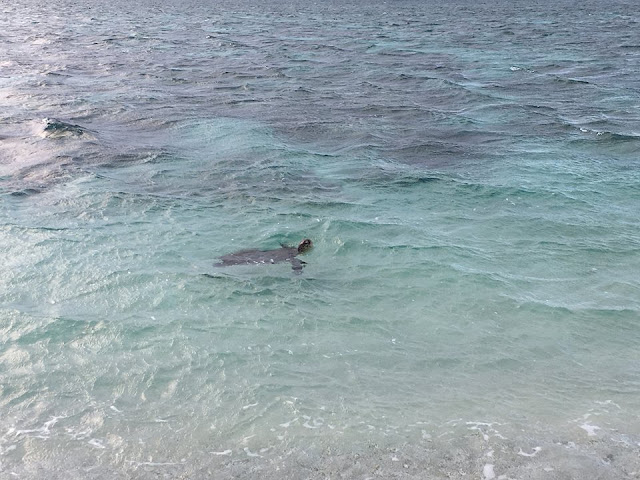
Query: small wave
[[54, 128], [611, 136], [570, 80], [430, 153], [403, 181], [25, 192], [628, 142], [624, 316], [129, 159], [492, 191]]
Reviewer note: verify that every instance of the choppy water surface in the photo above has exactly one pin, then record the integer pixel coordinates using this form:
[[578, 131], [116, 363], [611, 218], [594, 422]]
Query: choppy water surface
[[468, 173]]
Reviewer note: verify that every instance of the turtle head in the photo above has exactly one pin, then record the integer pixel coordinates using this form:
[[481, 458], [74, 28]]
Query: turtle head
[[305, 245]]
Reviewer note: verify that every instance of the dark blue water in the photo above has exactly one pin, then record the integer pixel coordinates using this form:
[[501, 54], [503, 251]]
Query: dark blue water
[[467, 172]]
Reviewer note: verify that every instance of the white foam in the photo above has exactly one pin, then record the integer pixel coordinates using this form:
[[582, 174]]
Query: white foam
[[50, 423], [480, 424], [224, 452], [250, 453], [154, 464], [610, 402], [487, 471], [317, 422], [249, 406], [485, 429], [42, 432], [7, 449], [590, 429], [535, 452], [78, 435], [94, 442], [288, 424]]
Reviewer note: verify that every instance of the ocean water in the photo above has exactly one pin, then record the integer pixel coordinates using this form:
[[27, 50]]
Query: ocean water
[[470, 176]]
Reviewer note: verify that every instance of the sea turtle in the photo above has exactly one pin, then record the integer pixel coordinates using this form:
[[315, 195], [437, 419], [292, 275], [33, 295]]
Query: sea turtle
[[254, 257]]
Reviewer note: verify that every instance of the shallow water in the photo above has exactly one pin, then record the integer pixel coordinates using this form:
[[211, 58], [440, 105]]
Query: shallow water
[[469, 177]]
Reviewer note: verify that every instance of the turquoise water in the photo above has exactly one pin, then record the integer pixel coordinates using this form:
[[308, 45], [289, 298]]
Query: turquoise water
[[469, 177]]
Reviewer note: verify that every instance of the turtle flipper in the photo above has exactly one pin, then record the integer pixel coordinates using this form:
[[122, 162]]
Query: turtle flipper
[[297, 265]]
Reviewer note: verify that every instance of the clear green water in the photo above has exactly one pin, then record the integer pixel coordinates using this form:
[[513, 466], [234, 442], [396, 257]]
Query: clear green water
[[470, 308]]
